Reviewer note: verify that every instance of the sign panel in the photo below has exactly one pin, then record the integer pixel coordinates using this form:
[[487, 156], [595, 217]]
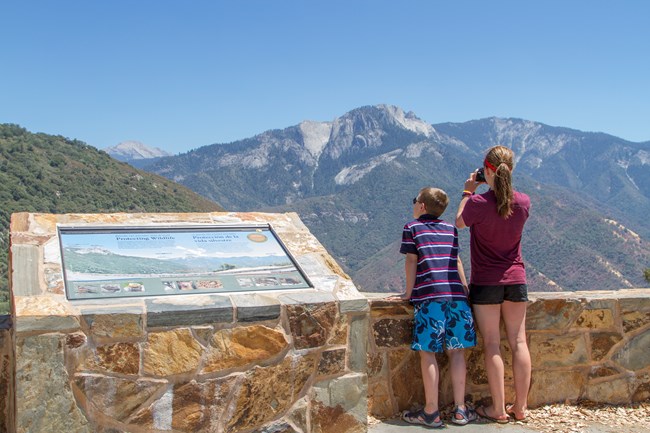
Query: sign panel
[[116, 262]]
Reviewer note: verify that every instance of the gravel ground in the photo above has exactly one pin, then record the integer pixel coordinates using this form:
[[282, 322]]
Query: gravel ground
[[585, 417]]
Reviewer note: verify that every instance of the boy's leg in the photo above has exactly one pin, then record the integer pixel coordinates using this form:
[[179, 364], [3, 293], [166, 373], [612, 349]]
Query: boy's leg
[[430, 378], [458, 370]]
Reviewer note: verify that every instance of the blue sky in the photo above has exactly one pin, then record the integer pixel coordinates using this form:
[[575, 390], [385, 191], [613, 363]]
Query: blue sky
[[184, 74]]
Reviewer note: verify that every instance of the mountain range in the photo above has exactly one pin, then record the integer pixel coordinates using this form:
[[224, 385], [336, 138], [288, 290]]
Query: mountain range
[[352, 181]]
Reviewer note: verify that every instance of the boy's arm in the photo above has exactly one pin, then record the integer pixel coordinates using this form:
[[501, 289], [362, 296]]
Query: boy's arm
[[410, 270], [461, 273]]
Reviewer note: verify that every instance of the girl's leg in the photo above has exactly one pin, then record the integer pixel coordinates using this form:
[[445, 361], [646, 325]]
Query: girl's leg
[[514, 318], [488, 319]]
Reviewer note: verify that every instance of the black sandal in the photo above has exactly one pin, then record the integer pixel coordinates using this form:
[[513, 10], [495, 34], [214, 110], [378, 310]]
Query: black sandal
[[423, 418]]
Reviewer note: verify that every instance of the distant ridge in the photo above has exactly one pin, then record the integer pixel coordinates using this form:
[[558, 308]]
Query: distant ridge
[[129, 151]]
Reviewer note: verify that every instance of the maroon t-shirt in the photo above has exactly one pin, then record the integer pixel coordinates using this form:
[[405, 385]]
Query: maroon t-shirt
[[495, 242]]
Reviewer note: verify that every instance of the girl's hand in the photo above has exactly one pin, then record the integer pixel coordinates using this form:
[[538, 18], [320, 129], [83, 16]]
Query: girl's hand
[[471, 184]]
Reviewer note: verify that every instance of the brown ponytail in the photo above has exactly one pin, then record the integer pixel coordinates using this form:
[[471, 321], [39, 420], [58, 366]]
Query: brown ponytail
[[502, 158]]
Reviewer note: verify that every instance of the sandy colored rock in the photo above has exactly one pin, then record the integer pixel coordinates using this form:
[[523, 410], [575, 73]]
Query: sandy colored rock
[[339, 334], [277, 427], [552, 350], [634, 354], [600, 371], [380, 402], [642, 390], [601, 344], [197, 405], [239, 347], [311, 324], [298, 414], [380, 308], [171, 352], [550, 386], [596, 319], [327, 419], [258, 403], [633, 320], [406, 380], [550, 314], [613, 391], [6, 378], [121, 358], [114, 397], [392, 332], [116, 325], [46, 407], [375, 364], [332, 362]]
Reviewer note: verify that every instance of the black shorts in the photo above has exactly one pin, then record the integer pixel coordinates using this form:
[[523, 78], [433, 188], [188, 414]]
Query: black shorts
[[488, 295]]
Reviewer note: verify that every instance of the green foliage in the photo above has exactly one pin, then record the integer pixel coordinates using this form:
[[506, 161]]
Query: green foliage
[[53, 174], [646, 274]]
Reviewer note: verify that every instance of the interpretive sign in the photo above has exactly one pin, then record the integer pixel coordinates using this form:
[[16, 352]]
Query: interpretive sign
[[115, 262]]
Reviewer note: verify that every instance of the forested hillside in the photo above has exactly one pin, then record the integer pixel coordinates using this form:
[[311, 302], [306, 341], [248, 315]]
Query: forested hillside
[[53, 174]]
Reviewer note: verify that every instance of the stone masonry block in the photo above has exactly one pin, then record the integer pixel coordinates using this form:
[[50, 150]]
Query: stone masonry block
[[601, 344], [115, 323], [311, 324], [633, 355], [50, 406], [253, 307], [553, 350], [552, 314], [25, 264], [241, 346], [171, 352], [392, 332], [556, 386], [384, 308], [358, 344], [600, 319], [612, 391], [191, 310], [257, 403]]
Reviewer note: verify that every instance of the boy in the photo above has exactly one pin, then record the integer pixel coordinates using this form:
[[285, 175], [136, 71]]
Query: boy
[[436, 285]]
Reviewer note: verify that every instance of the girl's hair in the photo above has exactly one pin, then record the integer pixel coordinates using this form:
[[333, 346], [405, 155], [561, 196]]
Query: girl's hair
[[502, 158]]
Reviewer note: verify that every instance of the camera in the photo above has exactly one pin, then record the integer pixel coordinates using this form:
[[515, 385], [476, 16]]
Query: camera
[[480, 175]]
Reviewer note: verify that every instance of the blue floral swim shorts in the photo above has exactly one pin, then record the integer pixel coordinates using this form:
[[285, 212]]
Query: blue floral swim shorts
[[443, 325]]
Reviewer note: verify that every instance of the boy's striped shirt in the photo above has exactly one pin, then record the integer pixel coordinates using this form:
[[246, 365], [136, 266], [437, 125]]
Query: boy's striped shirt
[[435, 242]]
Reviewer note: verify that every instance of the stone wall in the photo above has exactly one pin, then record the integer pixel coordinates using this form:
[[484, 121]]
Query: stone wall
[[274, 361], [236, 368], [316, 360], [584, 346], [6, 375]]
